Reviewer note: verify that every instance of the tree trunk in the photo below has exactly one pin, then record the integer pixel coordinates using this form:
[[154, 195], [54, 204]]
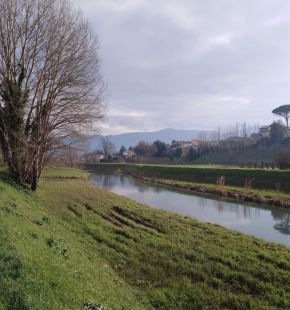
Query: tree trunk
[[34, 181]]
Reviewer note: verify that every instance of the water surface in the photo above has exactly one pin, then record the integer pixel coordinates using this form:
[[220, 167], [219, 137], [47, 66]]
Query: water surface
[[272, 224]]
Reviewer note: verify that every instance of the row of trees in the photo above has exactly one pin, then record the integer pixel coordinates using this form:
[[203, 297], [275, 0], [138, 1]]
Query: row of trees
[[159, 149], [238, 130]]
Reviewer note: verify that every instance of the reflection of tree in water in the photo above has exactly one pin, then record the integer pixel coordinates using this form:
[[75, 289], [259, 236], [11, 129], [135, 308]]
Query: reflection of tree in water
[[157, 189], [221, 205], [278, 214], [241, 211], [238, 210], [284, 224], [122, 179], [143, 188], [107, 181]]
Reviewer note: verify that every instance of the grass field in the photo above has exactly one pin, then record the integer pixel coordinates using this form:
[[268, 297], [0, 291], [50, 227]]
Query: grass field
[[74, 246]]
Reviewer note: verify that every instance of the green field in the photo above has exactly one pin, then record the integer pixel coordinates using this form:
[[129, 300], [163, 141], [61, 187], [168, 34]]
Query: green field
[[73, 246], [234, 176]]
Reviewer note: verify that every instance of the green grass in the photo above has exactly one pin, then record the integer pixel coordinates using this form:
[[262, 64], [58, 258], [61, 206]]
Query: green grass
[[55, 172], [48, 261], [72, 243]]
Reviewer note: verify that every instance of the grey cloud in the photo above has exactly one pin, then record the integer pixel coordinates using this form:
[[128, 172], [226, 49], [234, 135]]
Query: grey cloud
[[191, 63]]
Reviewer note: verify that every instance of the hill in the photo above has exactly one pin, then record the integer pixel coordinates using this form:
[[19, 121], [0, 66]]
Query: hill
[[165, 135]]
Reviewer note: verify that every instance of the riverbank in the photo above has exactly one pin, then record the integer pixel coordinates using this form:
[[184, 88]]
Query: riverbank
[[234, 176], [171, 176], [247, 195], [74, 246]]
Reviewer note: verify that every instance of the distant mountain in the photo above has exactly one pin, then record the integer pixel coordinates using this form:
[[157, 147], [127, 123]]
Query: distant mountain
[[165, 135]]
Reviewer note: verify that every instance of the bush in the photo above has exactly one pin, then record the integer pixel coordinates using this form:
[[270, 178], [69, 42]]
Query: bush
[[286, 141], [90, 306], [283, 159]]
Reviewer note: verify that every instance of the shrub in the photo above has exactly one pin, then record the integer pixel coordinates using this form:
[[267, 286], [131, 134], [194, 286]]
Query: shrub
[[282, 159], [90, 306]]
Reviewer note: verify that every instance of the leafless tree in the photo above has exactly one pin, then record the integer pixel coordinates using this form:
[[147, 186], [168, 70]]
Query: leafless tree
[[245, 130], [107, 147], [50, 83], [237, 130], [202, 135], [144, 149], [219, 134]]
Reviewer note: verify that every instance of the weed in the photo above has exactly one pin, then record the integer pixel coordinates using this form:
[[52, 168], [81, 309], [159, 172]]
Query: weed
[[56, 245], [91, 306], [221, 181]]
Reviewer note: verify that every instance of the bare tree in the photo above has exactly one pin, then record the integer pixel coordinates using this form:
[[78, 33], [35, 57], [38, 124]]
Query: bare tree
[[144, 149], [245, 130], [219, 134], [237, 130], [202, 135], [107, 147], [50, 83]]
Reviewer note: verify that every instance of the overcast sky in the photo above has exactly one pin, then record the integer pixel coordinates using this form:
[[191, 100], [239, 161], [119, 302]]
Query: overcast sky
[[191, 64]]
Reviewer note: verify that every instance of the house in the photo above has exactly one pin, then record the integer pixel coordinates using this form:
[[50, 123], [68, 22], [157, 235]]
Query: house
[[93, 158], [196, 143], [129, 154], [265, 131], [241, 140], [183, 144]]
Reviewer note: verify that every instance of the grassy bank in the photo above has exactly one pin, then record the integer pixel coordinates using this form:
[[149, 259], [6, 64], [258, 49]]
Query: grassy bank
[[72, 245], [270, 187], [264, 197], [260, 179]]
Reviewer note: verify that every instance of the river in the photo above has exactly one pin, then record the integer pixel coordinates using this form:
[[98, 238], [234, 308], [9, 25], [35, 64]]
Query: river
[[271, 224]]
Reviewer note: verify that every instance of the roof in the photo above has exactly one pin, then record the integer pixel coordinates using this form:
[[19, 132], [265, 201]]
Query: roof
[[265, 128], [240, 139]]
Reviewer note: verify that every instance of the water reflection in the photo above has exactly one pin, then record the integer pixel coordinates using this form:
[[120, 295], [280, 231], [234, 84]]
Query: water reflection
[[238, 210], [270, 224], [284, 225]]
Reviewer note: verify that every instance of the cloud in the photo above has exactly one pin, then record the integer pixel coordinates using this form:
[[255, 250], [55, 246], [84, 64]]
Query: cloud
[[191, 63]]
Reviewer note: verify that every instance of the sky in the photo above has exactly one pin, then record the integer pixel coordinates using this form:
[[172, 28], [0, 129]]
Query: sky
[[191, 64]]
